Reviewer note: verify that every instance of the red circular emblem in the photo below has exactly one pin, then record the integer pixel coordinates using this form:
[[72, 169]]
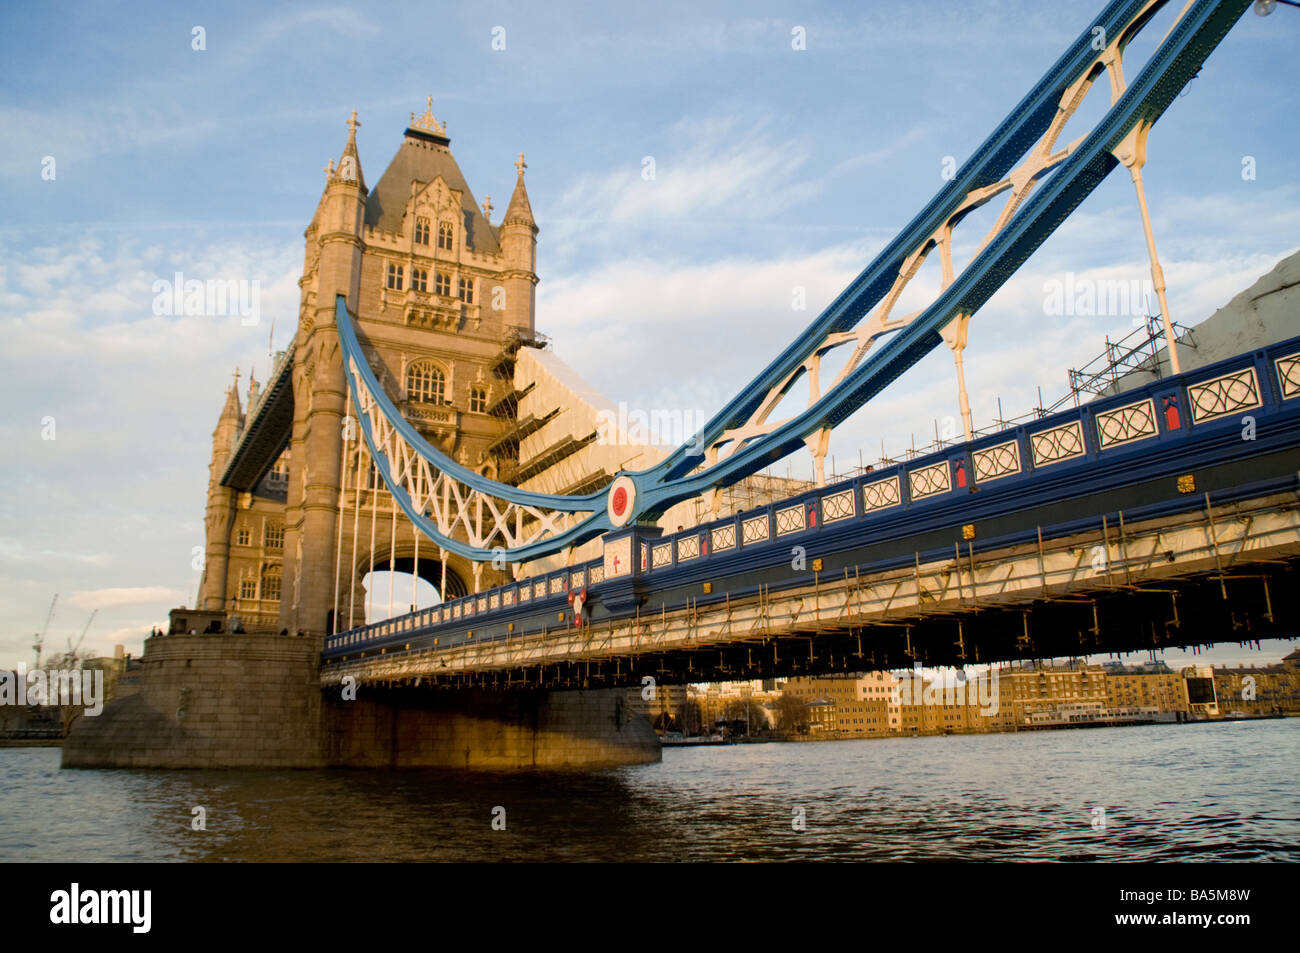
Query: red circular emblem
[[620, 500]]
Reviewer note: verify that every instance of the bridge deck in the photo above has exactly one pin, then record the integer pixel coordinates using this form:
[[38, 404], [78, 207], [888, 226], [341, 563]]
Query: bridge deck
[[1225, 574]]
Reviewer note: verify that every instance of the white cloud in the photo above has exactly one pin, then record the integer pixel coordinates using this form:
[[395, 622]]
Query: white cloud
[[111, 508], [749, 173]]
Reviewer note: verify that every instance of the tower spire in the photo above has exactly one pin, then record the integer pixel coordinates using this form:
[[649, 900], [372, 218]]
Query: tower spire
[[349, 167], [519, 211]]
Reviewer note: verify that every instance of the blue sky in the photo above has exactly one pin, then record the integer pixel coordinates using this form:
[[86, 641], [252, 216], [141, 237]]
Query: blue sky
[[775, 167]]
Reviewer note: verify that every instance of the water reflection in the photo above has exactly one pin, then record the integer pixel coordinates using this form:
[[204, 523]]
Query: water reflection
[[1167, 792]]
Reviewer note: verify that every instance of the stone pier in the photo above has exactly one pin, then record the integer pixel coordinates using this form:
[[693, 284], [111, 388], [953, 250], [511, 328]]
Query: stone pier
[[493, 731], [255, 701]]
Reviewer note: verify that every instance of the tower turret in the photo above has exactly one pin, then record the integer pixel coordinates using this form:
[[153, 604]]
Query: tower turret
[[220, 512], [336, 245], [519, 249]]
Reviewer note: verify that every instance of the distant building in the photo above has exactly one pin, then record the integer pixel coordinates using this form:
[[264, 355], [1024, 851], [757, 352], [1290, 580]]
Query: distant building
[[1164, 691], [859, 704], [1266, 690]]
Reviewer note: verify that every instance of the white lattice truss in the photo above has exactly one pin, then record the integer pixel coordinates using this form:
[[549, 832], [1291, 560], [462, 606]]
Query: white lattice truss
[[1040, 159], [455, 508]]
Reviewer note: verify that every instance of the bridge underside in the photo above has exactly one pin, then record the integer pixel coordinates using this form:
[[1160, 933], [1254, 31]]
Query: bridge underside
[[1225, 574]]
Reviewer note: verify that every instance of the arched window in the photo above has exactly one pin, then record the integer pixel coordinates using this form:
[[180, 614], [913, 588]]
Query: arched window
[[477, 399], [419, 279], [444, 236], [426, 383], [273, 536], [421, 231], [271, 583], [442, 284]]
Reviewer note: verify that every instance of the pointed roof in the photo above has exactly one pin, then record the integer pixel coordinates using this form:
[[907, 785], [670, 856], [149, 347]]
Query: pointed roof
[[231, 410], [423, 156], [350, 153], [519, 211]]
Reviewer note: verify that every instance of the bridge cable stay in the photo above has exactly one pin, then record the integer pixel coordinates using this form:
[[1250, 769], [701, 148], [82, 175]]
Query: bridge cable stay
[[1043, 181]]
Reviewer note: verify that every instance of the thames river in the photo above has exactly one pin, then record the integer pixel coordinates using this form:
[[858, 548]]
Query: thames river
[[1224, 791]]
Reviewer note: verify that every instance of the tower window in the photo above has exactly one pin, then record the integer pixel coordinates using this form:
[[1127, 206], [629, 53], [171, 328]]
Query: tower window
[[273, 536], [421, 231], [419, 279], [467, 290], [248, 588], [477, 399], [242, 536], [395, 277], [426, 383], [271, 584], [442, 284], [444, 236]]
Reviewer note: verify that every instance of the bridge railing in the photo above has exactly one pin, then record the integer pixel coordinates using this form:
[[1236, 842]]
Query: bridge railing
[[1037, 461]]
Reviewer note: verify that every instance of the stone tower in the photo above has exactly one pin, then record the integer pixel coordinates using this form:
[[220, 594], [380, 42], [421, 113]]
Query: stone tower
[[519, 248], [441, 299], [221, 506]]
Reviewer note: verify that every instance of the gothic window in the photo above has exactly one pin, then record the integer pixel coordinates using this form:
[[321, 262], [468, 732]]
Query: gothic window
[[247, 588], [426, 383], [419, 279], [395, 277], [242, 536], [273, 536], [442, 284], [271, 583], [477, 399], [421, 231], [467, 290], [444, 236]]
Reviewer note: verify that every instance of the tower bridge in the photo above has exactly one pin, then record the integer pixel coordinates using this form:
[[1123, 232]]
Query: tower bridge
[[1166, 515], [418, 421]]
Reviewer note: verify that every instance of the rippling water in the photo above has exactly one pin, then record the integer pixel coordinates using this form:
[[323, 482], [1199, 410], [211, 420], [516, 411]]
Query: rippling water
[[1170, 792]]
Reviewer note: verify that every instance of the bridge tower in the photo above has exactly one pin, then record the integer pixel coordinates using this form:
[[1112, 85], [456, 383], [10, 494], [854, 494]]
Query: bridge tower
[[332, 266], [220, 512], [442, 298]]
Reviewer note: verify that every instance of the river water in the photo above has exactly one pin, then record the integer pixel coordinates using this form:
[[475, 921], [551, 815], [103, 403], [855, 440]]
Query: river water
[[1223, 791]]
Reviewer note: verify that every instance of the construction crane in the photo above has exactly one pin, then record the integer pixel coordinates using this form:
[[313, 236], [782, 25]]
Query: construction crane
[[71, 659], [39, 638]]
